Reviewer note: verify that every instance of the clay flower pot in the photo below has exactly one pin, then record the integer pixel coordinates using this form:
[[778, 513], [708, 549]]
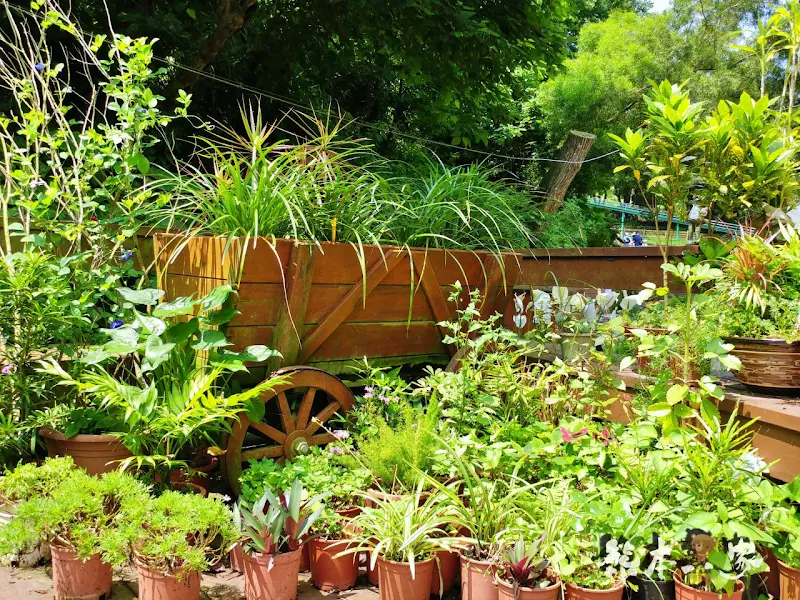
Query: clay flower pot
[[477, 580], [790, 582], [447, 566], [237, 560], [397, 582], [73, 578], [329, 572], [167, 586], [271, 576], [505, 590], [686, 592], [769, 366], [576, 592], [97, 454], [203, 481]]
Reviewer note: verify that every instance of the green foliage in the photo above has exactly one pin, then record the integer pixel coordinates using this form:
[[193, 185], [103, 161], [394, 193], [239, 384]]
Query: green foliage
[[577, 225], [29, 481], [82, 511], [175, 533]]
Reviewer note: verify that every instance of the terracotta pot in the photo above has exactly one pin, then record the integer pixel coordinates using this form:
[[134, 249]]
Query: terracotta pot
[[505, 591], [477, 580], [685, 592], [397, 582], [448, 566], [74, 579], [790, 582], [769, 366], [167, 586], [96, 454], [305, 562], [576, 592], [189, 487], [773, 578], [329, 573], [650, 590], [271, 576], [372, 574], [203, 481], [349, 513], [237, 562]]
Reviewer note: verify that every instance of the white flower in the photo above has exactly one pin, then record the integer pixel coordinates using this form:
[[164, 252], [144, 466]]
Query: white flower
[[590, 313], [560, 295], [520, 321], [577, 302], [519, 303], [607, 300]]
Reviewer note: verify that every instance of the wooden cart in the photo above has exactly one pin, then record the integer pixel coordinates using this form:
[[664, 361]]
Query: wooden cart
[[326, 307]]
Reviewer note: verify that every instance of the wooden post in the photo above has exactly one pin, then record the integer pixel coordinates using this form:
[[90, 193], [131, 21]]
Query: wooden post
[[560, 175], [289, 328]]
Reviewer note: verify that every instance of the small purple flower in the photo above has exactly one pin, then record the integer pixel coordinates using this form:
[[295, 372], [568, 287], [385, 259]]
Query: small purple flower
[[369, 392], [39, 66], [37, 183], [7, 369], [341, 434], [335, 450], [116, 324], [385, 399], [125, 256]]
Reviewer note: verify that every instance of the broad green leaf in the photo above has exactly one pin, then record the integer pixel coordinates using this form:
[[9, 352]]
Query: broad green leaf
[[156, 352], [145, 297], [150, 324], [676, 393], [210, 338], [215, 298], [659, 409], [220, 317], [182, 331], [179, 306]]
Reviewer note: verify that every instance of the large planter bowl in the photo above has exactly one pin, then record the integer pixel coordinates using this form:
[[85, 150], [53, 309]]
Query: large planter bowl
[[769, 366], [505, 591], [790, 582], [397, 582], [167, 586], [271, 576], [477, 580], [74, 578], [97, 454], [686, 592]]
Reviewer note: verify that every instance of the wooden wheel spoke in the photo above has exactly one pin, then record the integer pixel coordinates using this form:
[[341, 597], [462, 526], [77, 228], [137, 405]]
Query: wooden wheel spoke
[[262, 452], [269, 431], [286, 413], [326, 414], [323, 438], [305, 408]]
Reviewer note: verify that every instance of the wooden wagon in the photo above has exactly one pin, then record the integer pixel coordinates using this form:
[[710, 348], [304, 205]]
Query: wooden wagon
[[327, 306]]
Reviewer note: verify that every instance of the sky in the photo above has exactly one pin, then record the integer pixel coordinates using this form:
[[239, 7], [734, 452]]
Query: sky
[[660, 5]]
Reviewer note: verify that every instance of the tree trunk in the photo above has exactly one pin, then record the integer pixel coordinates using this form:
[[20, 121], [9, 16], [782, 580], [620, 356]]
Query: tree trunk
[[231, 17], [561, 174]]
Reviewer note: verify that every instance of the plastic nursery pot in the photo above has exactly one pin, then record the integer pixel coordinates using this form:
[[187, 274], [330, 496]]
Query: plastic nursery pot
[[305, 562], [397, 582], [686, 592], [96, 454], [477, 580], [773, 577], [648, 589], [329, 572], [790, 582], [74, 579], [447, 566], [576, 592], [271, 576], [505, 591], [154, 585]]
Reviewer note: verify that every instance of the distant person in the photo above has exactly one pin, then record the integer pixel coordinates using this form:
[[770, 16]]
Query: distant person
[[696, 216], [638, 240]]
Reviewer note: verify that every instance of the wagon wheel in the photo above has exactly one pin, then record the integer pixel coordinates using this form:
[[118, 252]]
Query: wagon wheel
[[282, 434]]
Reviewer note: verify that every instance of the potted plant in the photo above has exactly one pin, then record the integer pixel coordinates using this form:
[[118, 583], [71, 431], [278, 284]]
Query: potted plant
[[592, 576], [716, 568], [172, 539], [159, 382], [274, 531], [77, 519], [785, 529], [482, 511], [331, 569], [402, 537], [653, 581], [760, 278], [525, 575]]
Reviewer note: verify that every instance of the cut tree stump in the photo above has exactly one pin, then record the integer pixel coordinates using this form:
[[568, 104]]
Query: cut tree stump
[[560, 176]]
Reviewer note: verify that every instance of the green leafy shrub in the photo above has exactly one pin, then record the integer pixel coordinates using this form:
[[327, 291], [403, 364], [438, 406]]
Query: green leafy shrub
[[175, 533], [30, 480], [576, 225]]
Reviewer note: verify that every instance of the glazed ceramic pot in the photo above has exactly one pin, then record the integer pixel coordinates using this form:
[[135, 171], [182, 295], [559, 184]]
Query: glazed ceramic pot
[[769, 366]]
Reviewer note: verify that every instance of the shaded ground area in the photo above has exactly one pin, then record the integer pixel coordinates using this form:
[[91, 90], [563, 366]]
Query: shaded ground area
[[226, 585]]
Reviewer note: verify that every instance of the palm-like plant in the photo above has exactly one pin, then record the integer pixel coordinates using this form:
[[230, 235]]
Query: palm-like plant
[[279, 523]]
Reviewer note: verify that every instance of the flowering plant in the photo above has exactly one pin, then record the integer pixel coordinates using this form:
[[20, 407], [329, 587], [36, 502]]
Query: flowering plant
[[716, 565]]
